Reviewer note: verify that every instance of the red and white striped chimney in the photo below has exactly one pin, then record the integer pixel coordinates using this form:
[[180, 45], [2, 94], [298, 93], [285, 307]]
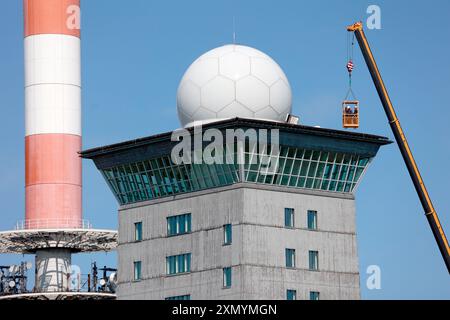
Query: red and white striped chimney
[[53, 114]]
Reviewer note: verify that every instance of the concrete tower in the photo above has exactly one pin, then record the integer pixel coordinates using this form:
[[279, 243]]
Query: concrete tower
[[52, 113], [238, 230], [53, 227]]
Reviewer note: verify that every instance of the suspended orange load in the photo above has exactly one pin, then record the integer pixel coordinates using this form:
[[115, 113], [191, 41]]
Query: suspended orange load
[[350, 114]]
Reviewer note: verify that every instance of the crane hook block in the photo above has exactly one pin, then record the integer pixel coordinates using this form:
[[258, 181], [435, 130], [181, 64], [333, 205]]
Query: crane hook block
[[350, 66]]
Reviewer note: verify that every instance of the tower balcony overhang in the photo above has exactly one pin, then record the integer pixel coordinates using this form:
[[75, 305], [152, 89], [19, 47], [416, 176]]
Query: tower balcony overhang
[[293, 156]]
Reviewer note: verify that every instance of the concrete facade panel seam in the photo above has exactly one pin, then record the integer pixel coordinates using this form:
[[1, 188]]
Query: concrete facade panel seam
[[241, 185], [220, 228]]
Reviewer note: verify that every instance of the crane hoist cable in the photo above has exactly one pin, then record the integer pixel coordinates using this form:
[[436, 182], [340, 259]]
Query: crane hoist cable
[[350, 66]]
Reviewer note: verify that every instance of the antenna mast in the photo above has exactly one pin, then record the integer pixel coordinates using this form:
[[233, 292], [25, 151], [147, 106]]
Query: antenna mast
[[234, 30]]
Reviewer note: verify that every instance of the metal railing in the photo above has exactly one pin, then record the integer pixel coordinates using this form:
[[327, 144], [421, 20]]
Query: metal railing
[[80, 283], [53, 224]]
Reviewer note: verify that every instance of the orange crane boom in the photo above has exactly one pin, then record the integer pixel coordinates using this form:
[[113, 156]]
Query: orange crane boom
[[405, 150]]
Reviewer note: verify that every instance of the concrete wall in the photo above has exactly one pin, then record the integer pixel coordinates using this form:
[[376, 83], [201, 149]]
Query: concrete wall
[[52, 270], [257, 254]]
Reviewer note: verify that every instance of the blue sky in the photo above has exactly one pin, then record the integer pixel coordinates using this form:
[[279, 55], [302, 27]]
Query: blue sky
[[136, 51]]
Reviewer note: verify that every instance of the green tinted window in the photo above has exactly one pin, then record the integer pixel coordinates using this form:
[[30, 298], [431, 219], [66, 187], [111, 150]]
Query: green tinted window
[[292, 167]]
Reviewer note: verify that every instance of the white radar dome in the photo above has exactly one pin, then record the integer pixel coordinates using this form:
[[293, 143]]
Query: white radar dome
[[233, 81]]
